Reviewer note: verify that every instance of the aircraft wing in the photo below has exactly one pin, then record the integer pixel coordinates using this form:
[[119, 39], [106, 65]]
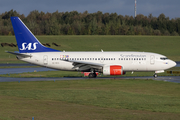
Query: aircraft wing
[[19, 54], [81, 65]]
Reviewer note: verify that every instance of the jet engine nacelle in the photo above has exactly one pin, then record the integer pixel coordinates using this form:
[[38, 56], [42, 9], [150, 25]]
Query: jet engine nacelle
[[113, 70]]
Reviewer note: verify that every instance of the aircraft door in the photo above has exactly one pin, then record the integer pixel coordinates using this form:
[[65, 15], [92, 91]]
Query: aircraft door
[[45, 60], [152, 59]]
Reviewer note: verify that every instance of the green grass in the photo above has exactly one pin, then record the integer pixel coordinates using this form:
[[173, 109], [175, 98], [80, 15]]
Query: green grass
[[166, 45], [4, 67], [45, 74], [90, 99]]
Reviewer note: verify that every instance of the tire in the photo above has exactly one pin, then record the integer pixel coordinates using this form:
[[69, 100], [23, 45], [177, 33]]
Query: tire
[[95, 75], [92, 75], [155, 75]]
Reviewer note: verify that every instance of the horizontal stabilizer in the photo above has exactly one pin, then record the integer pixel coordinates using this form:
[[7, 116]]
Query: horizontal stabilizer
[[19, 54]]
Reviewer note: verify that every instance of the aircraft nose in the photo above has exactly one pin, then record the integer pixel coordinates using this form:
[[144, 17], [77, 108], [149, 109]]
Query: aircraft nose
[[172, 63]]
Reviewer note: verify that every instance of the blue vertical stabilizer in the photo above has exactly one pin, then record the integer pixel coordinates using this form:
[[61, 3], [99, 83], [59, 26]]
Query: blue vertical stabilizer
[[27, 42]]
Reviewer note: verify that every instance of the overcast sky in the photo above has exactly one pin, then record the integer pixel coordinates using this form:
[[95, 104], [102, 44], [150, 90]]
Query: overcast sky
[[171, 8]]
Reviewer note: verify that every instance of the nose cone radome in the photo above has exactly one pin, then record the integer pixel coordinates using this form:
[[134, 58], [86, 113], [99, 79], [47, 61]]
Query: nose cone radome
[[172, 63]]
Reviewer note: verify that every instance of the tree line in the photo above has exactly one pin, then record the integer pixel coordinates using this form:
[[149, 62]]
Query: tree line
[[75, 23]]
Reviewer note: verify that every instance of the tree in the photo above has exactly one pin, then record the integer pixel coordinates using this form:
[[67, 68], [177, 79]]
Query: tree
[[94, 26], [9, 14], [156, 32], [73, 22]]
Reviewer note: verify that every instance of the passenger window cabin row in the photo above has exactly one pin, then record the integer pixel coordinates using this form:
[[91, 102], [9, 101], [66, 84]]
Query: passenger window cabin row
[[82, 59], [132, 58]]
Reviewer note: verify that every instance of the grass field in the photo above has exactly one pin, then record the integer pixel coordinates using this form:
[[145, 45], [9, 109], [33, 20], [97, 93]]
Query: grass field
[[108, 99], [166, 45], [90, 99]]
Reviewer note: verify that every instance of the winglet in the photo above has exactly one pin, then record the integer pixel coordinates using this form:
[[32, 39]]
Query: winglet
[[27, 42]]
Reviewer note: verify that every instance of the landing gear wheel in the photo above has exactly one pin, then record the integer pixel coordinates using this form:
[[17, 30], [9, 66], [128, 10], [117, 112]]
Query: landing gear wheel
[[155, 75], [92, 75], [95, 75]]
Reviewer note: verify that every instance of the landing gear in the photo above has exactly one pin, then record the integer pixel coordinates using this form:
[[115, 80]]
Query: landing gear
[[155, 75], [92, 75]]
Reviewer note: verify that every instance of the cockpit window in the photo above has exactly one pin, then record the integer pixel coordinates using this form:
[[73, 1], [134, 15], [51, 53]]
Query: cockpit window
[[163, 58]]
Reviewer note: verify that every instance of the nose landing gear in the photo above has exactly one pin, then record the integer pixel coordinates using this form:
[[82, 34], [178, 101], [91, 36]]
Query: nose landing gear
[[155, 75]]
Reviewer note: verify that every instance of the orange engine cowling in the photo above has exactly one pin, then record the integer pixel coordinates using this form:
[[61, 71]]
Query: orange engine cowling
[[113, 70]]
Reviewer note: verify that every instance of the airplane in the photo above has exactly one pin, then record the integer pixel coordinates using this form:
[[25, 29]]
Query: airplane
[[107, 63]]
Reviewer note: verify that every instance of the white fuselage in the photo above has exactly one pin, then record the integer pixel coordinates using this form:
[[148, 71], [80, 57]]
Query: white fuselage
[[131, 61]]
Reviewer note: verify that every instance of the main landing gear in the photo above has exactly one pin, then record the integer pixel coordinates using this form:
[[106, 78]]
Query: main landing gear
[[92, 74], [155, 75]]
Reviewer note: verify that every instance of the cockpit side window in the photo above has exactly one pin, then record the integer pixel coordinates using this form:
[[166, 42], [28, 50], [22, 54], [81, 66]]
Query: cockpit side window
[[163, 58]]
